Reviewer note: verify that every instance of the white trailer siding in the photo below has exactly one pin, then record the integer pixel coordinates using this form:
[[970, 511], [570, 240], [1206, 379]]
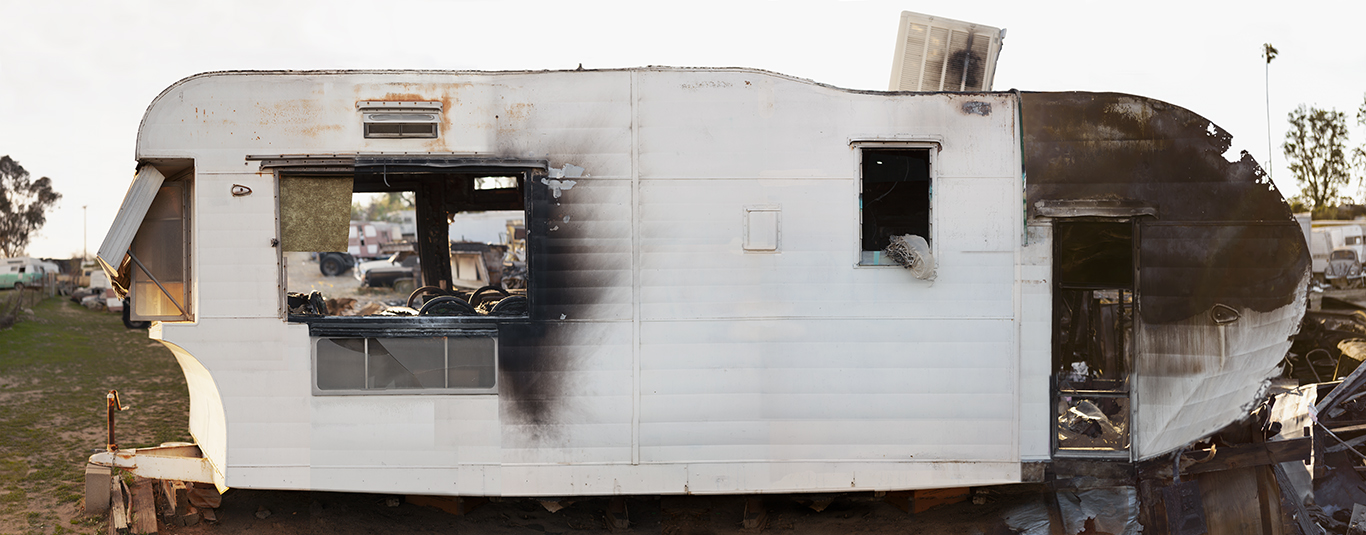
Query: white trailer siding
[[682, 350], [660, 355]]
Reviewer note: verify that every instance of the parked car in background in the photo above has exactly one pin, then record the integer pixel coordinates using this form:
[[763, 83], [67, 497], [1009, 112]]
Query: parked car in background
[[333, 264], [1344, 268], [399, 271]]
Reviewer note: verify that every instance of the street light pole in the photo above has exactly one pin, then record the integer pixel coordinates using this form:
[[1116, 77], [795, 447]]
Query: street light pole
[[85, 235]]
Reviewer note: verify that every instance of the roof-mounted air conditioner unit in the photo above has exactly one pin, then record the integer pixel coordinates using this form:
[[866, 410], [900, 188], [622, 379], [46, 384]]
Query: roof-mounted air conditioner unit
[[939, 54]]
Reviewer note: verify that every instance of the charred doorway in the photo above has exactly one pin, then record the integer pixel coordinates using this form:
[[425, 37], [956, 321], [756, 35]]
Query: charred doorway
[[1093, 324]]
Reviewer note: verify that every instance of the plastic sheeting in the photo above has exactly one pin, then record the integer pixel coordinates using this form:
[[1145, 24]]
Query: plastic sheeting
[[1115, 510], [1028, 519]]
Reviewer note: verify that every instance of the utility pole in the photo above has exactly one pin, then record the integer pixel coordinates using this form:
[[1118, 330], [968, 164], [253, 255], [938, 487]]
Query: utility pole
[[1268, 52], [85, 235]]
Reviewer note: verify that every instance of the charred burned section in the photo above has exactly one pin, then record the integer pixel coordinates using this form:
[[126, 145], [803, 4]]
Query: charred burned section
[[527, 371], [535, 355], [1210, 231]]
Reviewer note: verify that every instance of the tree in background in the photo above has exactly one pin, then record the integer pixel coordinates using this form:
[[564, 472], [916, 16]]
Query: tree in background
[[1359, 153], [1316, 147], [383, 208], [23, 206]]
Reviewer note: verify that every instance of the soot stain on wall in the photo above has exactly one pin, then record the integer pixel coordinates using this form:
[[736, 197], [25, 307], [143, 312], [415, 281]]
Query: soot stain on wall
[[1222, 233]]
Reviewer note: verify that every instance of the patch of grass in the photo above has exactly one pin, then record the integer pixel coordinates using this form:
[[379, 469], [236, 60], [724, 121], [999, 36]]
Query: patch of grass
[[54, 373]]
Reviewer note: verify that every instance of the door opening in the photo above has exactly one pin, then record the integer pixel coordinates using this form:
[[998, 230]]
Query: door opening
[[1093, 325]]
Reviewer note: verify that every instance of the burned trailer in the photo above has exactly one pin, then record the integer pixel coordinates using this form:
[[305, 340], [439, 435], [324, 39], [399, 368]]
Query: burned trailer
[[715, 299]]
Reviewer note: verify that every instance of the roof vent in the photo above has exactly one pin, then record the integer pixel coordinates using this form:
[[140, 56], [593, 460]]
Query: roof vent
[[400, 119], [939, 54]]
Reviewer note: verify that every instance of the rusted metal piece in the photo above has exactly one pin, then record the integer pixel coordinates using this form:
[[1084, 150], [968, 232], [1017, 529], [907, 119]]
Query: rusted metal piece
[[174, 461], [112, 400], [1110, 149]]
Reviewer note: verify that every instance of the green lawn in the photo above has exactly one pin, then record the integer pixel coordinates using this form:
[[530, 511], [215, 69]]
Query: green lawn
[[55, 369]]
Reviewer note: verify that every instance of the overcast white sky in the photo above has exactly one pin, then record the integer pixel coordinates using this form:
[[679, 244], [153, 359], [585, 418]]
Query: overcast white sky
[[76, 76]]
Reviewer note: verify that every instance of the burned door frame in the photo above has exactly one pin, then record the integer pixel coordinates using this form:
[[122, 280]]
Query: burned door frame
[[1113, 392]]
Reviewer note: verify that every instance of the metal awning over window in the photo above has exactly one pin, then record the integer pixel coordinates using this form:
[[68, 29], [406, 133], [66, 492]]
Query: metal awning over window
[[144, 189]]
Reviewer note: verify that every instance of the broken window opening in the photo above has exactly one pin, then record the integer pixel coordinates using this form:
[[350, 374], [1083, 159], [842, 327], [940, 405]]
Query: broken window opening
[[1093, 325], [160, 283], [894, 200], [447, 233], [411, 299]]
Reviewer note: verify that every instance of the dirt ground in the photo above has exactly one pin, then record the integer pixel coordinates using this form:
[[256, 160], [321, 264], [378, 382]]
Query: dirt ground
[[56, 365], [304, 276], [352, 514]]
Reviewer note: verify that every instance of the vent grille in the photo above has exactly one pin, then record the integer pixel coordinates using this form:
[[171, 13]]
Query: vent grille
[[400, 119], [938, 54], [400, 130]]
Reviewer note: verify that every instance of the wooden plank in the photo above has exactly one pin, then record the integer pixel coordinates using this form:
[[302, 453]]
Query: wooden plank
[[187, 516], [456, 505], [617, 516], [1348, 428], [1233, 502], [204, 496], [144, 507], [925, 499], [1288, 493], [755, 514], [1269, 494], [165, 497], [1342, 446], [1350, 385], [178, 496], [118, 505], [1240, 456]]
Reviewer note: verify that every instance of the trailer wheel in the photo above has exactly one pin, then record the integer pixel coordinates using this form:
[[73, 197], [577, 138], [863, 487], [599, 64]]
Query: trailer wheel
[[128, 317], [18, 286]]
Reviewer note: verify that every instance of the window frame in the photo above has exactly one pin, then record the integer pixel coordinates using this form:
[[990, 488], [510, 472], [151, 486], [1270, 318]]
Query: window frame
[[491, 334], [861, 147], [185, 182], [526, 173]]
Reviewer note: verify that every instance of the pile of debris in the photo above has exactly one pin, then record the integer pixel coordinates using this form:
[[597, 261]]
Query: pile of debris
[[134, 507]]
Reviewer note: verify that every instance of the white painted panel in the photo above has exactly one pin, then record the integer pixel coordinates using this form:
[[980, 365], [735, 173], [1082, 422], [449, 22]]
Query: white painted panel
[[693, 265], [826, 389], [754, 125], [1036, 344], [978, 214], [234, 265], [463, 480]]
